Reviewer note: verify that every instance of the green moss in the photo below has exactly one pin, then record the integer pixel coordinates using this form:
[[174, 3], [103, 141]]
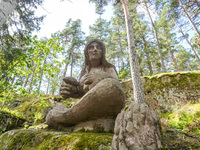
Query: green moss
[[69, 102], [19, 140], [8, 122], [126, 108], [177, 140], [33, 109], [42, 140], [186, 119]]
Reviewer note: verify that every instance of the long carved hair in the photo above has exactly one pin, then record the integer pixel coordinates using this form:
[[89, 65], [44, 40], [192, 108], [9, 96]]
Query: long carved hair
[[104, 62]]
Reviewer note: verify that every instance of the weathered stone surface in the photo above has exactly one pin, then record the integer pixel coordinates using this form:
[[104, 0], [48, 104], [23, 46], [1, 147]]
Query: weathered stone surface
[[137, 128], [106, 99], [56, 114], [33, 139]]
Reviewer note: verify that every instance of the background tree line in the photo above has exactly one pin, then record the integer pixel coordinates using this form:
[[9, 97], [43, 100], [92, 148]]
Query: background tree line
[[167, 39]]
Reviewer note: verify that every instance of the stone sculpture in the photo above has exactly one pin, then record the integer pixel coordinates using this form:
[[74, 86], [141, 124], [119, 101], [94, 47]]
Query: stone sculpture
[[102, 95]]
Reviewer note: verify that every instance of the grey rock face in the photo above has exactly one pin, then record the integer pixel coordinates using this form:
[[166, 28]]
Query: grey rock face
[[137, 128]]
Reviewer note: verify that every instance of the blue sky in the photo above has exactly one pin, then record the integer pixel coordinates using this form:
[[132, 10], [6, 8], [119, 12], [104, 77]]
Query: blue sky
[[58, 13]]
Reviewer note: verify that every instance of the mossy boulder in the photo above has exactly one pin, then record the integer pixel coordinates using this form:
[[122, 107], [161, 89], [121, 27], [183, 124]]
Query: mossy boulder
[[9, 122], [52, 140], [28, 111], [167, 91]]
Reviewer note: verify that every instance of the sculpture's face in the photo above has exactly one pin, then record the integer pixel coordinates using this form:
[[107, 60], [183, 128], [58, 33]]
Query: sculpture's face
[[94, 51]]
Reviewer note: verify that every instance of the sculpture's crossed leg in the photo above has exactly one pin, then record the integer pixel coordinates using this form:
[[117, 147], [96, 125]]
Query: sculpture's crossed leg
[[106, 99]]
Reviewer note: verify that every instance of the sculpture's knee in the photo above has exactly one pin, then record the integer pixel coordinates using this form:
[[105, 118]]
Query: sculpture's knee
[[56, 115]]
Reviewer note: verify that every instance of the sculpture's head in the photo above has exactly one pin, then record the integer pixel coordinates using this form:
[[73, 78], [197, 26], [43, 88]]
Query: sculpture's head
[[95, 43], [103, 61]]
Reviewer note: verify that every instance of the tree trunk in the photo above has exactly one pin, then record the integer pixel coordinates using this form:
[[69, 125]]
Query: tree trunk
[[25, 83], [140, 120], [147, 54], [121, 50], [6, 8], [157, 41], [32, 78], [71, 67], [41, 76], [198, 4], [66, 66], [13, 80], [174, 59], [197, 43], [195, 53], [118, 63], [189, 66], [172, 55], [133, 58], [48, 83], [188, 17], [40, 82]]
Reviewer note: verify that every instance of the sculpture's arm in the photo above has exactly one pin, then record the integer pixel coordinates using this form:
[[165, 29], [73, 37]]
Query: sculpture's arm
[[112, 72]]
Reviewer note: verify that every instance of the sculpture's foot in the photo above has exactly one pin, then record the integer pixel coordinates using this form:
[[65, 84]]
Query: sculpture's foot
[[55, 116]]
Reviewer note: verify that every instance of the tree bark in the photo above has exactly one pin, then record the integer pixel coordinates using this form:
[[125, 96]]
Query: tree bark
[[32, 78], [163, 68], [66, 66], [198, 4], [25, 83], [133, 58], [71, 67], [121, 50], [172, 55], [41, 76], [195, 53], [188, 17], [6, 8], [174, 59], [40, 82], [147, 54], [13, 80], [48, 83]]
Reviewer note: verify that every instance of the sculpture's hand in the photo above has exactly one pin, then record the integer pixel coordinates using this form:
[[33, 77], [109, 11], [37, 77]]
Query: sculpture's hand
[[69, 88]]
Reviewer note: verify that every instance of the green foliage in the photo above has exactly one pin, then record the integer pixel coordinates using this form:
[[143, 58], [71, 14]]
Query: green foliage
[[39, 59], [124, 74]]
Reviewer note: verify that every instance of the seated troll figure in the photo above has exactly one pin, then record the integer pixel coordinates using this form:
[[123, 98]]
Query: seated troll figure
[[102, 95]]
